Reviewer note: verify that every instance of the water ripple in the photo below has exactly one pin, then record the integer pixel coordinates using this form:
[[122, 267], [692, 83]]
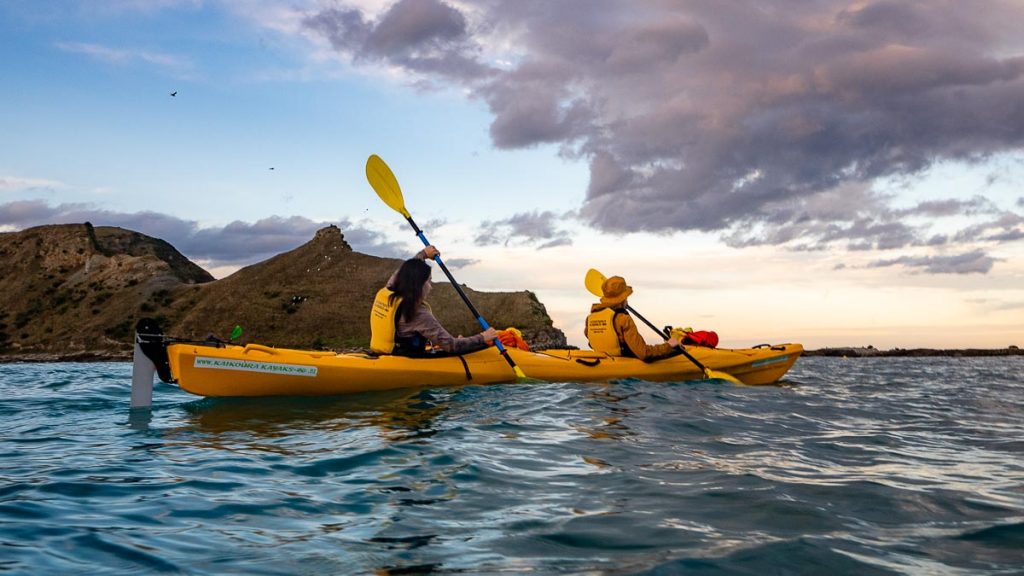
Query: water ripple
[[867, 466]]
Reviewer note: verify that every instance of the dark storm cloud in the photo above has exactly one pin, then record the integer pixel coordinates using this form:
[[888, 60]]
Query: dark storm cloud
[[425, 36], [238, 243], [538, 229], [728, 117], [973, 262]]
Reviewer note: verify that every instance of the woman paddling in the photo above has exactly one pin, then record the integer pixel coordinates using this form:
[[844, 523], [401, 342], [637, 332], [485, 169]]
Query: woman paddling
[[401, 322], [610, 328]]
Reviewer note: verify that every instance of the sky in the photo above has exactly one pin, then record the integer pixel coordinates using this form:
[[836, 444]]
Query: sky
[[830, 172]]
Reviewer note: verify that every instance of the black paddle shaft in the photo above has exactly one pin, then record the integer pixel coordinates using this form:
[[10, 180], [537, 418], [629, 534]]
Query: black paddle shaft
[[444, 269], [472, 309], [668, 335], [663, 333]]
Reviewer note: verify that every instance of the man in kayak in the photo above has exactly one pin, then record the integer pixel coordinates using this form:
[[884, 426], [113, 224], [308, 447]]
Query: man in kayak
[[610, 328], [401, 322]]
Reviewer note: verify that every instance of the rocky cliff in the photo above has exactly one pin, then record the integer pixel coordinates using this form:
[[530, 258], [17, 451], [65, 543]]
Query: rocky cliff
[[75, 291]]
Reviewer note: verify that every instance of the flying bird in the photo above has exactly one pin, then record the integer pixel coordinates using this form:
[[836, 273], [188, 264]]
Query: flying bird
[[271, 167], [175, 93]]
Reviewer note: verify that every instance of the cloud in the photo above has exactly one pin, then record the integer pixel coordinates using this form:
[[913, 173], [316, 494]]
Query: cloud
[[1005, 227], [427, 37], [951, 207], [9, 183], [851, 214], [563, 241], [538, 229], [430, 224], [145, 6], [121, 56], [457, 263], [724, 117], [997, 305], [856, 218], [236, 244], [974, 262]]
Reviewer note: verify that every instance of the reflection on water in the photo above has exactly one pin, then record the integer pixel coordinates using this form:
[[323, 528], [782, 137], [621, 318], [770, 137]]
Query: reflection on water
[[397, 415], [300, 426], [609, 411], [139, 418]]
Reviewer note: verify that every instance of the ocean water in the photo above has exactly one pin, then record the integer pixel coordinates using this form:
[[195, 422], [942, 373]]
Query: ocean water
[[859, 466]]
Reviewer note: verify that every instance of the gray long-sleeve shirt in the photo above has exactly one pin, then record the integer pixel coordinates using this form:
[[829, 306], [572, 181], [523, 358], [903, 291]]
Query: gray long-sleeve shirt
[[426, 325]]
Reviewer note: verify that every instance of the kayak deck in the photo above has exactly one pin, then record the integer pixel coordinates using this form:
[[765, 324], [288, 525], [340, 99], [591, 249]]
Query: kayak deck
[[256, 370]]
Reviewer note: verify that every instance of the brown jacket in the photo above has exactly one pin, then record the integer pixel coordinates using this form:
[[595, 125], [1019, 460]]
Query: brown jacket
[[630, 338]]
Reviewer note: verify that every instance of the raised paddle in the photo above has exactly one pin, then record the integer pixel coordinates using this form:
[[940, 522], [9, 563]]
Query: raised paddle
[[594, 280], [383, 181]]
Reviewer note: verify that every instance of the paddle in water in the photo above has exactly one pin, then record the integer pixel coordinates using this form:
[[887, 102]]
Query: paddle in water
[[383, 181], [594, 280]]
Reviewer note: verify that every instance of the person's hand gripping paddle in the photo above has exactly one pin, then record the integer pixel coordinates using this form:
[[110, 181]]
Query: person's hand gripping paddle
[[594, 280], [383, 181]]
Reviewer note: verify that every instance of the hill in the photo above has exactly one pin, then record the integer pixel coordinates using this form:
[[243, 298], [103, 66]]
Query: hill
[[75, 291]]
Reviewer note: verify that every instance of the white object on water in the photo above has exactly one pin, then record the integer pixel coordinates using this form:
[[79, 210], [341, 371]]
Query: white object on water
[[143, 371]]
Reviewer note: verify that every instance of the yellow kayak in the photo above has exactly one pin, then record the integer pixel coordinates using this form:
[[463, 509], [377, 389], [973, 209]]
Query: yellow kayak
[[255, 370]]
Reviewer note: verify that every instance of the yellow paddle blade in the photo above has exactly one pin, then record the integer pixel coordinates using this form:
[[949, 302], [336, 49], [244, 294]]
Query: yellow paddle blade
[[385, 184], [709, 373], [594, 281], [522, 378]]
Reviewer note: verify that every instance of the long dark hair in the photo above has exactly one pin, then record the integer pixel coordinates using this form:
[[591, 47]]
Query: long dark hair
[[412, 275]]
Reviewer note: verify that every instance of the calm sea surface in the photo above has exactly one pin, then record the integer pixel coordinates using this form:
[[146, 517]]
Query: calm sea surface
[[859, 466]]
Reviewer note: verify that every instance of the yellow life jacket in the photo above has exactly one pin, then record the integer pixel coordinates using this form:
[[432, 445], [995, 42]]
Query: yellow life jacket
[[601, 332], [383, 322]]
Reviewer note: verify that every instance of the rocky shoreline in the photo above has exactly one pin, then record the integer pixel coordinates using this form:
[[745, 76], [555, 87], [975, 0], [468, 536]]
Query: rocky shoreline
[[871, 352], [42, 357], [847, 352]]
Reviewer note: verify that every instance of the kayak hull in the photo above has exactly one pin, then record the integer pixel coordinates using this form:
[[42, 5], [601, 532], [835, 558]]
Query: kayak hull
[[256, 370]]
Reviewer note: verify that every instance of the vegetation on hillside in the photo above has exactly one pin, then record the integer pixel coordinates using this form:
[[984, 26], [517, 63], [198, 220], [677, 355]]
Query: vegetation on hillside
[[75, 290]]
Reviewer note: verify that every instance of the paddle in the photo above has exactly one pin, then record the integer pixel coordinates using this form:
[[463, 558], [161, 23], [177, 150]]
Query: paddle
[[383, 181], [594, 280]]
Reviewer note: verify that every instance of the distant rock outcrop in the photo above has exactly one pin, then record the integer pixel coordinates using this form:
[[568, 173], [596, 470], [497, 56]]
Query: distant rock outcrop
[[75, 291], [872, 352]]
